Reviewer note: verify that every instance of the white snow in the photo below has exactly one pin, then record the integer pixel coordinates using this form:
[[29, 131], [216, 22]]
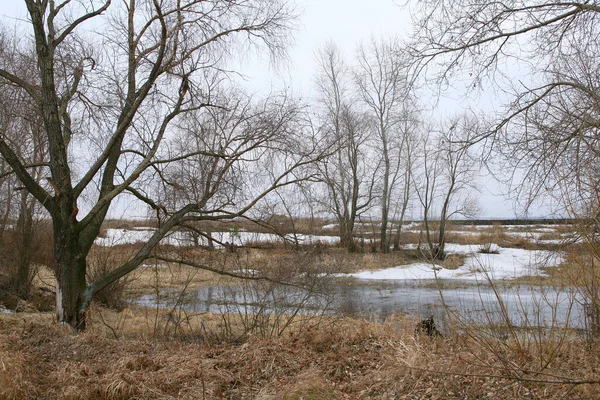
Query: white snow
[[116, 237], [4, 310], [247, 272], [329, 226], [545, 229], [526, 235], [508, 264]]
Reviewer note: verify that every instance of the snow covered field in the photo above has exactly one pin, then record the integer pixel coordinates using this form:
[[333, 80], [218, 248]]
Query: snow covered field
[[507, 264], [116, 237]]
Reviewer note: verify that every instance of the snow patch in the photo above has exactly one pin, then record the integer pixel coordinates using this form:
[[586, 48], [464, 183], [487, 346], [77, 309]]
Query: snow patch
[[508, 264], [246, 271], [115, 237], [4, 310]]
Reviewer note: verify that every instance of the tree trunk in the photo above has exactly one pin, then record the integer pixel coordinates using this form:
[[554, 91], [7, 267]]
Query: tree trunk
[[385, 204], [25, 239], [350, 243], [346, 230], [440, 253], [69, 268]]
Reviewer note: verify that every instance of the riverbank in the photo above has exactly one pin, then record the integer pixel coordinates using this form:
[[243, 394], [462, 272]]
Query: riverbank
[[337, 359]]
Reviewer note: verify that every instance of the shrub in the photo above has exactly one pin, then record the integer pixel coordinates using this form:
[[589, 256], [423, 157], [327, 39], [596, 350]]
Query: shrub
[[101, 260], [489, 248]]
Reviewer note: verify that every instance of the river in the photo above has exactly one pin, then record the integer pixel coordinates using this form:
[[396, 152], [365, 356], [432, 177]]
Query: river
[[526, 306]]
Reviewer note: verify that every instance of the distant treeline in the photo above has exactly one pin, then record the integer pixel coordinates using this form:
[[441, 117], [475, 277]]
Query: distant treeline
[[518, 221]]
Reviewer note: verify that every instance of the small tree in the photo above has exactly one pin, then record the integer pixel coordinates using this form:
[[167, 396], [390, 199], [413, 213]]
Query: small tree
[[411, 128], [21, 126], [448, 172]]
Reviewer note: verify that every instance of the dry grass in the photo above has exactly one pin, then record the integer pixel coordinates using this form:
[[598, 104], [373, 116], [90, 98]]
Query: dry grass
[[345, 359], [269, 224]]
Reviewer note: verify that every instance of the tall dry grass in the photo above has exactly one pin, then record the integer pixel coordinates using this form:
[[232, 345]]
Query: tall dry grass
[[343, 358]]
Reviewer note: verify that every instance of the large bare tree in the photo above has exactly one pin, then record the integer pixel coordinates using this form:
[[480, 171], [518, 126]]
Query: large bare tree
[[381, 80], [113, 81], [348, 174]]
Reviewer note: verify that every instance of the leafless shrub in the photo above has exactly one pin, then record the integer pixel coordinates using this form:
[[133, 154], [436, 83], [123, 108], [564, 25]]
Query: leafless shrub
[[101, 260], [489, 248], [23, 252], [523, 331]]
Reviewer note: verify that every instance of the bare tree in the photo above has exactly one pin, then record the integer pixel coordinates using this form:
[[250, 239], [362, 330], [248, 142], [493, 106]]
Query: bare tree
[[459, 170], [20, 125], [347, 174], [551, 117], [425, 182], [448, 172], [118, 92], [382, 86], [411, 128], [230, 157]]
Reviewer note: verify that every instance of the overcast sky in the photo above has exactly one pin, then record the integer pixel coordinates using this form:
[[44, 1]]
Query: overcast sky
[[345, 23]]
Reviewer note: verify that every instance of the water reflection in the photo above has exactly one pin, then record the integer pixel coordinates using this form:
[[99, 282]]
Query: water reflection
[[524, 305]]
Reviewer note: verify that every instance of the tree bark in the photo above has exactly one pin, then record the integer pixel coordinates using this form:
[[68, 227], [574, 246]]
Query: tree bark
[[69, 267], [25, 240]]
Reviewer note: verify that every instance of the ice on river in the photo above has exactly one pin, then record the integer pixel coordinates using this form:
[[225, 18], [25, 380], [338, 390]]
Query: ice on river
[[509, 263]]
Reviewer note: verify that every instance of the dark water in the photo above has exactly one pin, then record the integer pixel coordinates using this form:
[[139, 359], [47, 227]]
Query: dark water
[[524, 306]]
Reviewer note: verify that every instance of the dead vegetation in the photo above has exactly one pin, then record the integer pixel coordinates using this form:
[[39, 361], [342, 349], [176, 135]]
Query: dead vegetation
[[343, 359]]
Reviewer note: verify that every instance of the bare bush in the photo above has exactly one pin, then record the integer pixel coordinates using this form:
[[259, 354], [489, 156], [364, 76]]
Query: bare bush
[[101, 261]]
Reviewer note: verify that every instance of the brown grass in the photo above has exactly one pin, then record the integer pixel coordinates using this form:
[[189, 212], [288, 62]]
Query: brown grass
[[345, 359]]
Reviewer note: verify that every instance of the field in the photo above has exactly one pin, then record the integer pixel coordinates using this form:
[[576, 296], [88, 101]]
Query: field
[[160, 352]]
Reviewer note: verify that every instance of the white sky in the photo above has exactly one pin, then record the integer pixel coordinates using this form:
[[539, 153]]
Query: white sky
[[345, 23]]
